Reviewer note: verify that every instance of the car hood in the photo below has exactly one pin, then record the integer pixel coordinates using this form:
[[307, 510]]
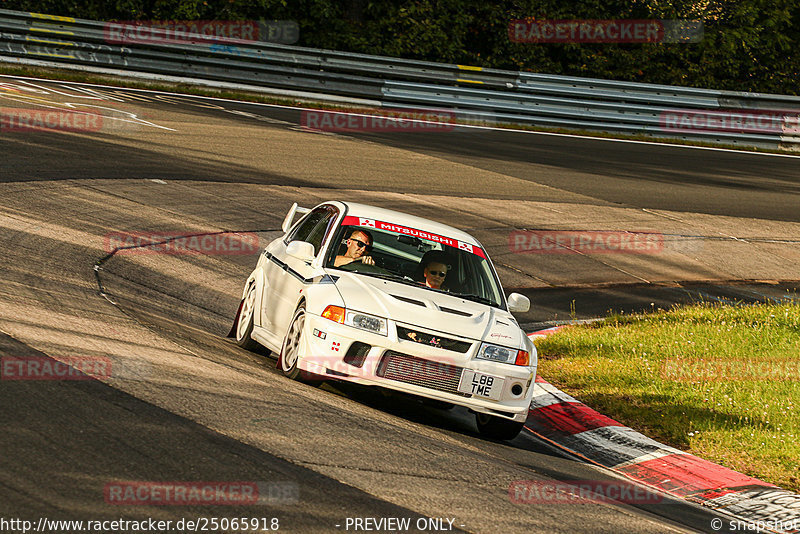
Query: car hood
[[427, 309]]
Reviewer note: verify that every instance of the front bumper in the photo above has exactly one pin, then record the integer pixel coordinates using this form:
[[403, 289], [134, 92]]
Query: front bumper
[[346, 353]]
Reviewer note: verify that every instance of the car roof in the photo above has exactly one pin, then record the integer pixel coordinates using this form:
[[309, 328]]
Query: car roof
[[356, 209]]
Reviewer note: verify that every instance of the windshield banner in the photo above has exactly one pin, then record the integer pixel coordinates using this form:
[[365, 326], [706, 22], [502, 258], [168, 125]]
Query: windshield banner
[[390, 227]]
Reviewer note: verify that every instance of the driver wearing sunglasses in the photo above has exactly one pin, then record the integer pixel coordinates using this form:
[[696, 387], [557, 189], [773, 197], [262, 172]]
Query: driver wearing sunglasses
[[358, 245]]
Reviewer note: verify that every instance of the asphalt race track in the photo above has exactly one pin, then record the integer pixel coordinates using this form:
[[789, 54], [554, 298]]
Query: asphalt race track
[[182, 403]]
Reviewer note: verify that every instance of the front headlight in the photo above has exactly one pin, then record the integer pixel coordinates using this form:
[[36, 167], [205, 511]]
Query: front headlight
[[365, 321], [496, 353]]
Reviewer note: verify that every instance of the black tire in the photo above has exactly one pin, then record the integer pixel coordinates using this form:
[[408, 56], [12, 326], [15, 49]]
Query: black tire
[[245, 321], [497, 428]]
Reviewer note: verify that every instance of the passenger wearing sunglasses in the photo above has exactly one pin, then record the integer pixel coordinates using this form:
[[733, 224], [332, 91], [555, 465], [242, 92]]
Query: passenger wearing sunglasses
[[434, 275], [359, 244], [434, 269]]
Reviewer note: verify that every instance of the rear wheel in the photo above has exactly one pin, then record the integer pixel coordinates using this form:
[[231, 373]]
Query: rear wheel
[[497, 427], [244, 326]]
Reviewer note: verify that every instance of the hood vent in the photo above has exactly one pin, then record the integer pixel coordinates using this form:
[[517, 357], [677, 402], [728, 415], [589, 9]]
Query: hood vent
[[455, 312], [410, 300]]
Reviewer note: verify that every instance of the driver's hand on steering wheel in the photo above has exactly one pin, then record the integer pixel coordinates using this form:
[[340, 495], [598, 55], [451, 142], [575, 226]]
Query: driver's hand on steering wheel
[[367, 260]]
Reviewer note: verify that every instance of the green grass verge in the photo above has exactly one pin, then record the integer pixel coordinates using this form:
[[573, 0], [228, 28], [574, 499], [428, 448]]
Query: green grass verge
[[249, 96], [722, 382]]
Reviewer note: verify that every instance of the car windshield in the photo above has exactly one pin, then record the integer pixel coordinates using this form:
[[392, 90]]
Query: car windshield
[[399, 253]]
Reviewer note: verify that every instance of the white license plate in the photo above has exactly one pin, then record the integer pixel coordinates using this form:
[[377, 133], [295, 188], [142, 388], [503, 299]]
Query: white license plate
[[481, 385]]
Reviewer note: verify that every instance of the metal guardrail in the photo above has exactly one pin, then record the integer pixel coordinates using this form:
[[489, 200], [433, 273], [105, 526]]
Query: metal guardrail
[[493, 96]]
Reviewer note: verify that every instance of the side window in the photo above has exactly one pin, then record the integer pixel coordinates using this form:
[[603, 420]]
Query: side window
[[314, 226], [326, 226]]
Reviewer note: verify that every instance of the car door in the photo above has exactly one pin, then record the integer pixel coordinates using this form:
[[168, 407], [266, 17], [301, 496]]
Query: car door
[[289, 275]]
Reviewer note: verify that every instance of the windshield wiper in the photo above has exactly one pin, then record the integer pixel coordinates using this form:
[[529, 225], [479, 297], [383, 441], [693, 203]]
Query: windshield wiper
[[387, 276]]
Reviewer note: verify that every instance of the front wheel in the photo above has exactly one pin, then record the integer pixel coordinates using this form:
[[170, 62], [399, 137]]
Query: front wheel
[[290, 351], [244, 324], [497, 427], [291, 345]]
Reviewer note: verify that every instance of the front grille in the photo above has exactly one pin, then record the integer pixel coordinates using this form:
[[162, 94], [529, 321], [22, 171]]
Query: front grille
[[420, 372], [406, 334]]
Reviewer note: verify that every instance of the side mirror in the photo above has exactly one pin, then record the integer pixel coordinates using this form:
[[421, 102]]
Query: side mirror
[[302, 250], [518, 303]]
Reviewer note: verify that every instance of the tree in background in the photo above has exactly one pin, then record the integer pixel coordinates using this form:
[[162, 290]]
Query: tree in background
[[749, 45]]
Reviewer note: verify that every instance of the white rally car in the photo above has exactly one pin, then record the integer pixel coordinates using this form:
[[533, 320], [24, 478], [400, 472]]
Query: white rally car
[[377, 297]]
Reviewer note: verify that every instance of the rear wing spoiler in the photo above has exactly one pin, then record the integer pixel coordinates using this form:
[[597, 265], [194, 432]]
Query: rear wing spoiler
[[289, 220]]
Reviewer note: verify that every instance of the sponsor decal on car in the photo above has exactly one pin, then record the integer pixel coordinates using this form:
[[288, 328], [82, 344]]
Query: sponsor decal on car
[[432, 341], [319, 333], [430, 236], [500, 336]]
